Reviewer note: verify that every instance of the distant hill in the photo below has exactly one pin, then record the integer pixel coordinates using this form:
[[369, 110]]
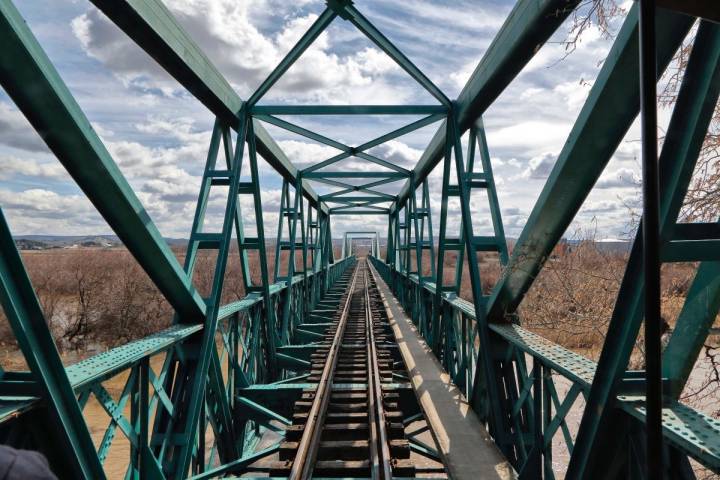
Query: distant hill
[[48, 242], [608, 245]]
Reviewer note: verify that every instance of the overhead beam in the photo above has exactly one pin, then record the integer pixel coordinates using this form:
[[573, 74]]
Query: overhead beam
[[348, 109], [30, 79], [355, 174], [347, 151], [151, 25], [527, 28], [384, 211], [368, 198]]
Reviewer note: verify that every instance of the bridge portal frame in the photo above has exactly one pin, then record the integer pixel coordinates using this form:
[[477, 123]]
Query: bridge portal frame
[[521, 405]]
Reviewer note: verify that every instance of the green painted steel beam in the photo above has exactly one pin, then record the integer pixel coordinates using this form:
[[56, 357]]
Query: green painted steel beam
[[391, 50], [347, 151], [30, 79], [354, 174], [239, 464], [690, 250], [335, 211], [595, 435], [359, 150], [261, 410], [686, 133], [379, 161], [151, 25], [366, 205], [291, 127], [289, 362], [411, 127], [319, 26], [611, 107], [369, 198], [25, 316], [105, 365], [365, 188], [347, 109], [527, 28]]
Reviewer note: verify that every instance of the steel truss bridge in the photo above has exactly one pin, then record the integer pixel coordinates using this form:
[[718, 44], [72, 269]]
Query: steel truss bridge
[[231, 372]]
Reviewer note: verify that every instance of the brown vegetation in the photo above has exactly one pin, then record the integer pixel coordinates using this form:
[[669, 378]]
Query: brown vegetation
[[98, 298]]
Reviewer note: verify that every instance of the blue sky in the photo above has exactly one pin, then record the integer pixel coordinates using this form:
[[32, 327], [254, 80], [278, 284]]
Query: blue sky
[[158, 133]]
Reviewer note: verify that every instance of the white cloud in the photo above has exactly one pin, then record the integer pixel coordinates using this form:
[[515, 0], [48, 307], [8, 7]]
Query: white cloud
[[531, 137], [540, 166], [11, 166], [621, 178], [38, 202], [245, 55], [574, 93], [16, 132]]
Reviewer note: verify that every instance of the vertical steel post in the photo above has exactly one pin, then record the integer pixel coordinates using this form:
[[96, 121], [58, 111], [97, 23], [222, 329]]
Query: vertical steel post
[[651, 237]]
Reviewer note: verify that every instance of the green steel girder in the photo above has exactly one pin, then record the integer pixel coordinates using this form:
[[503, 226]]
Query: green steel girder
[[347, 151], [30, 79], [195, 372], [320, 24], [27, 321], [527, 28], [684, 138], [237, 465], [347, 110], [352, 211], [350, 199], [291, 127], [611, 107], [366, 187], [108, 364], [355, 174], [155, 30], [366, 27], [677, 162], [367, 205], [358, 151]]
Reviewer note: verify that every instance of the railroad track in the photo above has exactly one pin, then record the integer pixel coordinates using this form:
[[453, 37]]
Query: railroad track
[[349, 432]]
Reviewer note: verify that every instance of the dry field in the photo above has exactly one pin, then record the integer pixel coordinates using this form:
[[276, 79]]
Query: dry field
[[95, 299]]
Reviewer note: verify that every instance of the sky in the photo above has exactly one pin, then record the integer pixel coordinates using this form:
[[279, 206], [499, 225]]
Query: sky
[[159, 134]]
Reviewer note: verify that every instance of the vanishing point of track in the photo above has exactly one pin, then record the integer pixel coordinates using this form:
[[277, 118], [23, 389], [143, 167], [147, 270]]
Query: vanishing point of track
[[340, 433]]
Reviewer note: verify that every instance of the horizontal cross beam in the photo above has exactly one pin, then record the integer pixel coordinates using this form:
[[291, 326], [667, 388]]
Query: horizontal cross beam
[[348, 109], [345, 211]]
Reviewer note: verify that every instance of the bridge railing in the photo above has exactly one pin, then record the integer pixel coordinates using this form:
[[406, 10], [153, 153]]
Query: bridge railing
[[543, 383], [241, 358]]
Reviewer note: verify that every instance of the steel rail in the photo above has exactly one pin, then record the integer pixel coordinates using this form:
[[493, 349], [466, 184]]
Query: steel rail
[[309, 443], [380, 465]]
